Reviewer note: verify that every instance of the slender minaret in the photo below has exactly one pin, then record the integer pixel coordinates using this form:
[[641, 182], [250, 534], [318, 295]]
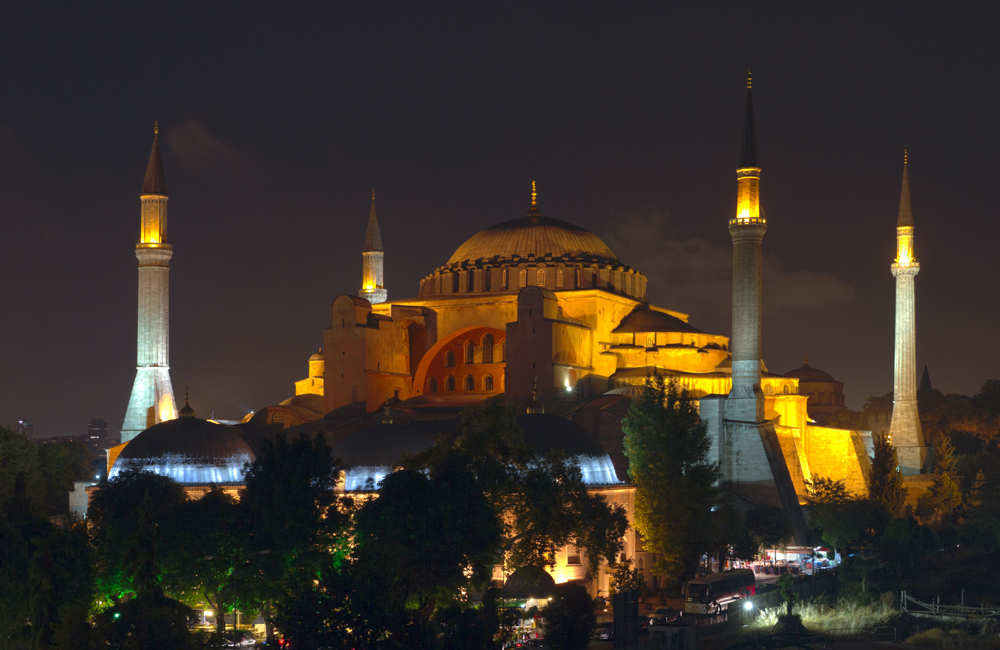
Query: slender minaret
[[152, 399], [372, 280], [905, 430], [752, 462], [746, 400]]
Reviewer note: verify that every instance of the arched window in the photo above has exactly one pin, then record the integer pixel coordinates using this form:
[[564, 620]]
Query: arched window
[[488, 348], [488, 384], [769, 390], [786, 390], [559, 280], [522, 280], [472, 280], [470, 383], [650, 340], [449, 359], [454, 282], [432, 385], [449, 383], [278, 418], [503, 382], [540, 280], [503, 350], [487, 278], [503, 281], [470, 352]]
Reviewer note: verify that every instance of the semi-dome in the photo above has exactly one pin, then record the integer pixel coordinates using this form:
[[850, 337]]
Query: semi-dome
[[533, 251], [544, 433], [188, 450], [809, 374], [372, 453]]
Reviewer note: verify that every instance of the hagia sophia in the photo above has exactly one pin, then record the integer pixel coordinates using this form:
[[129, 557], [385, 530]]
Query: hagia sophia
[[533, 312]]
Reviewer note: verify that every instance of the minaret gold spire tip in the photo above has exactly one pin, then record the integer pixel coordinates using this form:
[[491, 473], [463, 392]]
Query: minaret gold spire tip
[[749, 78], [534, 195], [156, 127], [906, 156]]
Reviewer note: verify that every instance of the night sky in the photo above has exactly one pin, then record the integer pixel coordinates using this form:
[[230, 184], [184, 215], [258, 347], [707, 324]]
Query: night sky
[[276, 122]]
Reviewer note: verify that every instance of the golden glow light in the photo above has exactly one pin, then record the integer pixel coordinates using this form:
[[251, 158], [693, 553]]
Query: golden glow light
[[748, 197], [904, 247], [166, 409]]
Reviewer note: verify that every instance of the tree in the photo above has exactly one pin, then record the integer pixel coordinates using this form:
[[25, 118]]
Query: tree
[[769, 526], [840, 517], [291, 510], [623, 577], [905, 544], [667, 447], [212, 558], [133, 522], [61, 463], [945, 496], [569, 618], [540, 500], [886, 481], [19, 456]]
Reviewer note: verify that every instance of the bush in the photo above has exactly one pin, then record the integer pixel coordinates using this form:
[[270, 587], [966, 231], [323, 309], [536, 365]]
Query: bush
[[569, 618]]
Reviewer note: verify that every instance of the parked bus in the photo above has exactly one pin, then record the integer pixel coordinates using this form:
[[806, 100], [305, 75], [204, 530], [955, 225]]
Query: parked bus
[[712, 593]]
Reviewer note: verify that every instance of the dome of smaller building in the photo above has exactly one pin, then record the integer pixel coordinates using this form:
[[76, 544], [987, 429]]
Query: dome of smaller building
[[547, 432], [644, 319], [809, 374], [372, 453], [188, 450], [317, 356]]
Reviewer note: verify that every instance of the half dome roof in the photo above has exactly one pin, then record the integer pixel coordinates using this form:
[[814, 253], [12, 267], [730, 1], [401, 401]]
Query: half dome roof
[[809, 374]]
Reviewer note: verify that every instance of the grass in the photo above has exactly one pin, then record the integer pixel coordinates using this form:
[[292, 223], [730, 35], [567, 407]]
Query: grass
[[956, 639], [844, 617]]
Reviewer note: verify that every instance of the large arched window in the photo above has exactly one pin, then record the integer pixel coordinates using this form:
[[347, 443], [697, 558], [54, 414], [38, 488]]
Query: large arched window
[[470, 384], [449, 359], [488, 384], [449, 383], [487, 278], [470, 352], [488, 348], [503, 350], [432, 385], [522, 278], [471, 286], [540, 280]]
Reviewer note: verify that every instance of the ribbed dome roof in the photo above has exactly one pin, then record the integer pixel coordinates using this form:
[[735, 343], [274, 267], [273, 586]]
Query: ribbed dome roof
[[188, 450], [533, 236], [371, 453], [807, 374], [644, 319]]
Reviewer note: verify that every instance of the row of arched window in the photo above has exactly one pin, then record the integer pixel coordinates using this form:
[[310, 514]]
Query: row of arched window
[[470, 352], [468, 384]]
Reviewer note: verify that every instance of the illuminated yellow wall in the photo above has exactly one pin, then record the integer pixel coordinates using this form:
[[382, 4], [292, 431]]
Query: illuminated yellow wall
[[904, 246], [748, 194], [153, 228]]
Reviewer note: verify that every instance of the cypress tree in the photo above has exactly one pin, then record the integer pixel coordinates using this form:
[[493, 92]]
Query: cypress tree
[[886, 481]]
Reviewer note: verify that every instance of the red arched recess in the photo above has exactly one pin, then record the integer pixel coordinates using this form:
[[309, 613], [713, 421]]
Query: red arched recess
[[432, 364]]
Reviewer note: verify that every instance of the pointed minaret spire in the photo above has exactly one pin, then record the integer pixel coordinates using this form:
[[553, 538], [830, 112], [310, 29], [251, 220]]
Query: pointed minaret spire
[[748, 146], [155, 182], [372, 254], [904, 430], [905, 218]]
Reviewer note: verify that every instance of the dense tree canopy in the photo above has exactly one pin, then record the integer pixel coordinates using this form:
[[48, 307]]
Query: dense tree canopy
[[667, 448]]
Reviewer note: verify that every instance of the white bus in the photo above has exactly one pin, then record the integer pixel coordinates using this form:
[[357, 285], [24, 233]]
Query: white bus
[[712, 593]]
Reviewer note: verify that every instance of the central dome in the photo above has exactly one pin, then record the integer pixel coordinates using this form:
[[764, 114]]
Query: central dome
[[533, 236], [533, 251]]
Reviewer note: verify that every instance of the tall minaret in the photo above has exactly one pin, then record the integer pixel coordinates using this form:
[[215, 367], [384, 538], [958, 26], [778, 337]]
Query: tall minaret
[[905, 430], [152, 399], [746, 400], [372, 280]]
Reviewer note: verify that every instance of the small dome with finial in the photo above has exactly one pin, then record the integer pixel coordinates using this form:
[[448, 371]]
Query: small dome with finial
[[187, 411]]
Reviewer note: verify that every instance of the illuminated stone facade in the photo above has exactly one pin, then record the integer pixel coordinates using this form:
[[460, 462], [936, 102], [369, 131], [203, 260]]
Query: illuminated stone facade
[[152, 399], [904, 431]]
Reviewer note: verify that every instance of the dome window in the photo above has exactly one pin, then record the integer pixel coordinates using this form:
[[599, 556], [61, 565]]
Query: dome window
[[278, 418], [487, 279], [540, 280], [559, 278], [522, 280]]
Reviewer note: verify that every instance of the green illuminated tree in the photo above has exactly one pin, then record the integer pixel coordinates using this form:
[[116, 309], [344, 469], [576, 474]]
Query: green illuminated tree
[[945, 496], [667, 448]]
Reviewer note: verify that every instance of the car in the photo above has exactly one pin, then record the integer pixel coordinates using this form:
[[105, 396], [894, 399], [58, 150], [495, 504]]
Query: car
[[664, 615], [604, 631]]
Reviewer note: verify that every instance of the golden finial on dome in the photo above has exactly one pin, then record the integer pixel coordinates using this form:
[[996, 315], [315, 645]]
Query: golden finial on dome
[[749, 76], [805, 362], [534, 195], [156, 127], [905, 156]]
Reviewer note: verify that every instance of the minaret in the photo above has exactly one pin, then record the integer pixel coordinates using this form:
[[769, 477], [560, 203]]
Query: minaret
[[152, 399], [752, 462], [904, 432], [372, 280], [746, 400]]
